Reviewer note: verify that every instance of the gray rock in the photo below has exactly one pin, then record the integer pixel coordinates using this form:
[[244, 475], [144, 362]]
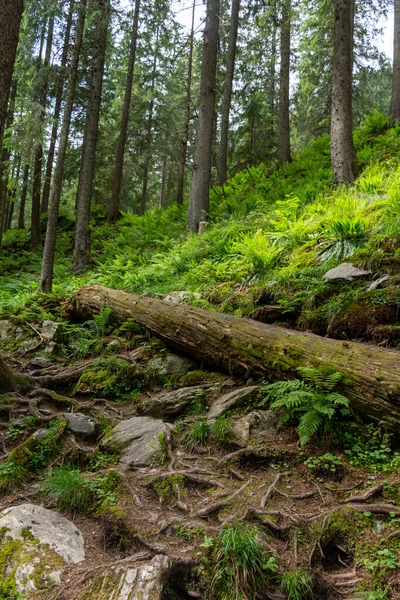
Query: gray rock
[[49, 541], [48, 330], [378, 282], [137, 440], [4, 329], [259, 422], [232, 400], [171, 364], [182, 297], [346, 271], [144, 582], [81, 424], [171, 404]]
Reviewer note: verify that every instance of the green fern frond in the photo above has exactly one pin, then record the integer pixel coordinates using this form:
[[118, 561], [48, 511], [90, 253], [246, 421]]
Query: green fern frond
[[338, 399], [309, 424]]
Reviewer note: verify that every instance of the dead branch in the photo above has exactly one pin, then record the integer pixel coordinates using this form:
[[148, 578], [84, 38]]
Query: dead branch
[[374, 491]]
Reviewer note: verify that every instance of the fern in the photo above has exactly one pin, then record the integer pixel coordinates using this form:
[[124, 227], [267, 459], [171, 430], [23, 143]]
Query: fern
[[312, 402]]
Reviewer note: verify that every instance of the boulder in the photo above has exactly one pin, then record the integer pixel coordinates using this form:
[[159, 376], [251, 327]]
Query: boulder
[[258, 422], [48, 330], [171, 364], [172, 404], [182, 297], [36, 544], [80, 424], [137, 439], [144, 582], [232, 400], [345, 271], [4, 329]]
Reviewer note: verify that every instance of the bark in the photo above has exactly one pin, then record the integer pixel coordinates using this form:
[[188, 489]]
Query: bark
[[10, 19], [10, 381], [115, 201], [163, 199], [57, 112], [243, 346], [13, 196], [227, 93], [46, 278], [186, 125], [284, 154], [200, 191], [4, 163], [342, 148], [24, 192], [86, 174], [37, 168], [147, 153], [395, 103]]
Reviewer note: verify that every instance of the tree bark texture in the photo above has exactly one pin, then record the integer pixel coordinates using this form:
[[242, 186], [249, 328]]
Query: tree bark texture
[[86, 174], [57, 110], [200, 190], [227, 92], [342, 148], [284, 154], [46, 278], [10, 19], [244, 346], [13, 195], [188, 105], [4, 161], [37, 168], [395, 103], [24, 193], [115, 201]]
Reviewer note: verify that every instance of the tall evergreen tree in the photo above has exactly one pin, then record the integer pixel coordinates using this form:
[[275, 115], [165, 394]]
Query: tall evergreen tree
[[199, 195], [284, 154], [46, 279], [115, 201], [86, 174], [395, 103], [227, 92], [342, 148]]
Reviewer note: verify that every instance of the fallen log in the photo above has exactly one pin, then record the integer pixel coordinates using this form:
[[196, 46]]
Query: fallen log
[[243, 346]]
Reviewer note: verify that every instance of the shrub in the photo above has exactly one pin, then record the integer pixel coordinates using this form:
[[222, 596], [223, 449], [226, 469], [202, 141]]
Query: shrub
[[297, 584]]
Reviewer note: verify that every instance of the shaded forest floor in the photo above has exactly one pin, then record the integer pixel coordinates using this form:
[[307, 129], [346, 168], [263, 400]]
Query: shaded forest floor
[[327, 515]]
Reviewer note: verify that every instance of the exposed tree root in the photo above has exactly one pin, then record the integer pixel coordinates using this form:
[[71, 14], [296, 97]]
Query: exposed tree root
[[374, 491]]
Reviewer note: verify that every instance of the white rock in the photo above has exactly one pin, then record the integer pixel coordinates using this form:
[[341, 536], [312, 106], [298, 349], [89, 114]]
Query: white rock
[[231, 400], [345, 271]]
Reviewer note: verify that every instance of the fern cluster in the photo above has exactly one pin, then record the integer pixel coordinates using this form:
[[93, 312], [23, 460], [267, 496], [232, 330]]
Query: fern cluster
[[311, 401]]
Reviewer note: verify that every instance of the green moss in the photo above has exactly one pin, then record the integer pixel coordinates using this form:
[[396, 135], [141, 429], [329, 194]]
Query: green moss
[[168, 488], [111, 377]]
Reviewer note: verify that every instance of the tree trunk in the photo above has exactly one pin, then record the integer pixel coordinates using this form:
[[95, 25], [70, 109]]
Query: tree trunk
[[24, 193], [243, 346], [227, 93], [10, 19], [163, 199], [284, 154], [342, 148], [147, 153], [13, 382], [37, 168], [395, 104], [4, 163], [46, 278], [200, 191], [57, 111], [13, 196], [115, 201], [86, 174], [186, 125]]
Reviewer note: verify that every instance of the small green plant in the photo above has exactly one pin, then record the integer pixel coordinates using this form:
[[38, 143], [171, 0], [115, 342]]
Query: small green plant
[[170, 487], [69, 489], [366, 447], [325, 464], [297, 584], [197, 434], [11, 475], [312, 402], [241, 561], [221, 430]]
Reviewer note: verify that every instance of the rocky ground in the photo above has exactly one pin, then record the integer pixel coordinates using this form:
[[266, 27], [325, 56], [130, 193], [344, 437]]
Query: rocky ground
[[173, 456]]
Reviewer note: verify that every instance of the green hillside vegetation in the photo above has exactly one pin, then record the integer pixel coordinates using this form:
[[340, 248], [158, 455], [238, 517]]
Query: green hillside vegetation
[[271, 237]]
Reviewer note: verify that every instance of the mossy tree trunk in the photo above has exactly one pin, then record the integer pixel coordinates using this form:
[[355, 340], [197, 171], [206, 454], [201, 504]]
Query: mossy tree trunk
[[243, 346], [13, 382]]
